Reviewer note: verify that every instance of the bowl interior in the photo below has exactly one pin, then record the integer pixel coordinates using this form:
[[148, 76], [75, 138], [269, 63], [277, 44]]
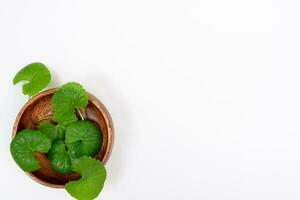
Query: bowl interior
[[38, 109]]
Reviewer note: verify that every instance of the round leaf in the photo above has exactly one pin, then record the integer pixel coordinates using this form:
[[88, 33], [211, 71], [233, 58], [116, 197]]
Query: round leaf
[[25, 144], [52, 131], [93, 175], [59, 157], [69, 97], [83, 138], [37, 75]]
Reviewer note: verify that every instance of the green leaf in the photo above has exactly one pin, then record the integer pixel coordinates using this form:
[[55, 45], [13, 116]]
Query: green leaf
[[25, 144], [83, 138], [60, 131], [93, 175], [52, 131], [59, 157], [37, 77], [69, 97]]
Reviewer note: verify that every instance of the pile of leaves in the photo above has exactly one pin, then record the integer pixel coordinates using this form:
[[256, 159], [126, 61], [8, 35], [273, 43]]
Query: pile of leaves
[[70, 143]]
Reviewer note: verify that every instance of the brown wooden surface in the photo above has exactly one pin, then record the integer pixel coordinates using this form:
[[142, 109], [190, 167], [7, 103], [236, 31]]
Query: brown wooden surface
[[39, 108]]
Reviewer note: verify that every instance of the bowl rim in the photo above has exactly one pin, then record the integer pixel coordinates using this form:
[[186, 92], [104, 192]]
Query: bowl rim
[[100, 106]]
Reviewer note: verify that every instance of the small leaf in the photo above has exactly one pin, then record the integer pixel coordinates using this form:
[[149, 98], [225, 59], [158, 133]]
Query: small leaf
[[60, 131], [83, 138], [93, 175], [37, 75], [69, 97], [25, 144], [52, 131], [59, 157]]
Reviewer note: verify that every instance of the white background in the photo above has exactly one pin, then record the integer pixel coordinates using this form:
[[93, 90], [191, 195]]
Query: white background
[[204, 94]]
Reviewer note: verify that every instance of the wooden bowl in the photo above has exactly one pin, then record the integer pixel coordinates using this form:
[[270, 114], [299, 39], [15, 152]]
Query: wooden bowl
[[38, 109]]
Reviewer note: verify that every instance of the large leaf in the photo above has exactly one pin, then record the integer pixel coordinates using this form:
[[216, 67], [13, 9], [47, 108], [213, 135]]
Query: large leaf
[[83, 138], [69, 97], [93, 175], [52, 131], [37, 77], [25, 144], [59, 157]]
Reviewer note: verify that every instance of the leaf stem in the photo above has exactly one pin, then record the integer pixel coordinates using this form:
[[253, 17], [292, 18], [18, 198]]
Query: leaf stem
[[80, 114]]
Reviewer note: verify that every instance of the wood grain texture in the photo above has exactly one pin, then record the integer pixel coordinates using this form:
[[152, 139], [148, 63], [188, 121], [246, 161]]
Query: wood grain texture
[[39, 108]]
